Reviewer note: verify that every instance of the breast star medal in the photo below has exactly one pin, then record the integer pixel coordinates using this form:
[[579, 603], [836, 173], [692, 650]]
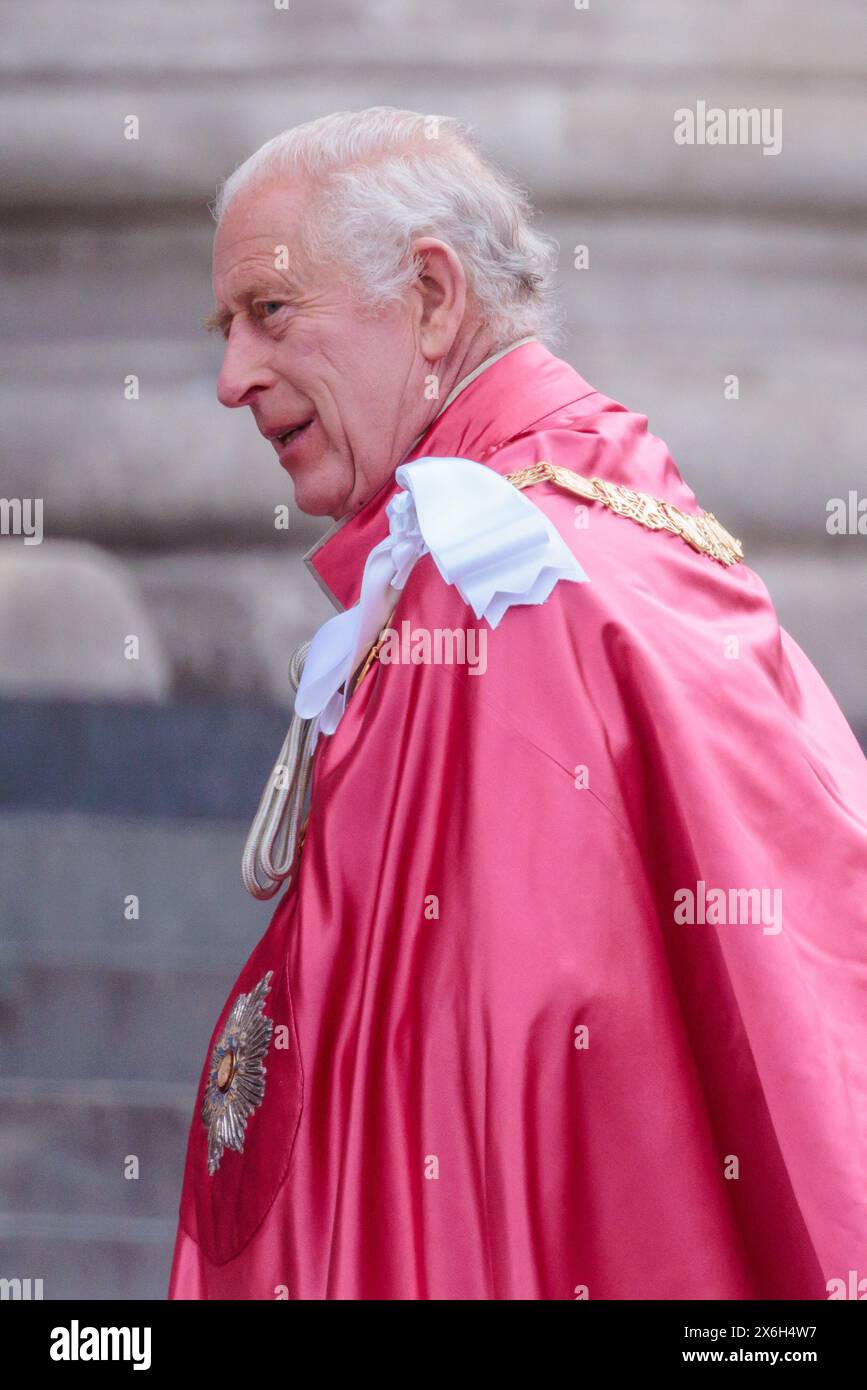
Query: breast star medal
[[236, 1075]]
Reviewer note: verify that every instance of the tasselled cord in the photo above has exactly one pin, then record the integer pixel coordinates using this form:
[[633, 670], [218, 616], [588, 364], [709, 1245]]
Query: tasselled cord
[[272, 841]]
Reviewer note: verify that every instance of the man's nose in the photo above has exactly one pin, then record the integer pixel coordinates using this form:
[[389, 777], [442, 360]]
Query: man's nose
[[243, 372]]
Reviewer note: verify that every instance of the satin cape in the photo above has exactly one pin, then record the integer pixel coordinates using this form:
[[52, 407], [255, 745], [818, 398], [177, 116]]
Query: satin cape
[[516, 1063]]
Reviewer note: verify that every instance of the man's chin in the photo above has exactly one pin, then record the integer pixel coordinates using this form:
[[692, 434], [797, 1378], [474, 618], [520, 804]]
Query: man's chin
[[326, 488], [318, 508], [313, 498]]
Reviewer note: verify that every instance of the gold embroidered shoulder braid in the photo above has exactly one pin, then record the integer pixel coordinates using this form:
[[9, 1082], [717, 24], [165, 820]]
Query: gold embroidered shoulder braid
[[703, 532]]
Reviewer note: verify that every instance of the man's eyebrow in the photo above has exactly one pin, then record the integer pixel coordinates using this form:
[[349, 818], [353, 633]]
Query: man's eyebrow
[[217, 321]]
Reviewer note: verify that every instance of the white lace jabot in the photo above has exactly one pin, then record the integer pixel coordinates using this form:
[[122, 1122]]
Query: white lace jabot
[[495, 546]]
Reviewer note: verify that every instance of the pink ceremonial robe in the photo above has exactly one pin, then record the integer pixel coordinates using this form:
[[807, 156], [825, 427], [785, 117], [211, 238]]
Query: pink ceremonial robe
[[514, 1070]]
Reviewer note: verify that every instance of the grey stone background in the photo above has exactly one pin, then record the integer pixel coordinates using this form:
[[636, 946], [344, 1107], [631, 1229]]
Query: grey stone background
[[139, 776]]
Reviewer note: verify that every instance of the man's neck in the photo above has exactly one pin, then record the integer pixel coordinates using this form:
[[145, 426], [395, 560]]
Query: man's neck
[[472, 369], [466, 355]]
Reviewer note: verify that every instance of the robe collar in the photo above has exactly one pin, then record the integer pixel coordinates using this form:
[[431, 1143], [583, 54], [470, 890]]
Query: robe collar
[[501, 398]]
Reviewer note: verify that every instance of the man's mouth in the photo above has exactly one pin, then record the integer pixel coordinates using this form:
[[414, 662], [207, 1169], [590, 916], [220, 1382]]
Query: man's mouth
[[292, 433]]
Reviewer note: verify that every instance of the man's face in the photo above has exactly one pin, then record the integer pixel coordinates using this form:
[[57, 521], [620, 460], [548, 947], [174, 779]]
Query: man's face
[[302, 354]]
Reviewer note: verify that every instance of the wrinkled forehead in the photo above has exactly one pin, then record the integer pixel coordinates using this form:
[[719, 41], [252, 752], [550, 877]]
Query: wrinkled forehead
[[261, 230]]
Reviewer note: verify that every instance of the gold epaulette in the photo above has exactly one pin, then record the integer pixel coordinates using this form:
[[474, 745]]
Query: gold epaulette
[[703, 532]]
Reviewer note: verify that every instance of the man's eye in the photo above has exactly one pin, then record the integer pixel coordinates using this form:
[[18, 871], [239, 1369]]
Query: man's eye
[[270, 307]]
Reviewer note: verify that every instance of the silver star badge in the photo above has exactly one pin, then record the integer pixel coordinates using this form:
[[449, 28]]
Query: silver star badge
[[236, 1076]]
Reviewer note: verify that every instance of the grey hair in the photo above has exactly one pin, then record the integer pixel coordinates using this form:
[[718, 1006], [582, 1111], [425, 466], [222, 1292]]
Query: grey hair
[[383, 177]]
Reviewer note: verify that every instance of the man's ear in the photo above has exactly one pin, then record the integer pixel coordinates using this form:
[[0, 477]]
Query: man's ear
[[439, 296]]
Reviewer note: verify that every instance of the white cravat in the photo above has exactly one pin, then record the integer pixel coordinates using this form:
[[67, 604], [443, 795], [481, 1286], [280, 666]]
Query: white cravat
[[485, 537]]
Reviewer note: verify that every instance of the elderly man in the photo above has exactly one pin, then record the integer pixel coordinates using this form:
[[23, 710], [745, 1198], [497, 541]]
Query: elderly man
[[564, 996]]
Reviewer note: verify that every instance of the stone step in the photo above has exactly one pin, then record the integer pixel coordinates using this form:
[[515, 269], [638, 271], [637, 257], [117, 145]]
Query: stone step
[[152, 1022], [78, 1260], [66, 1146], [187, 765], [68, 614], [169, 469], [700, 274], [155, 984], [768, 463], [162, 39], [192, 909], [561, 137], [229, 623]]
